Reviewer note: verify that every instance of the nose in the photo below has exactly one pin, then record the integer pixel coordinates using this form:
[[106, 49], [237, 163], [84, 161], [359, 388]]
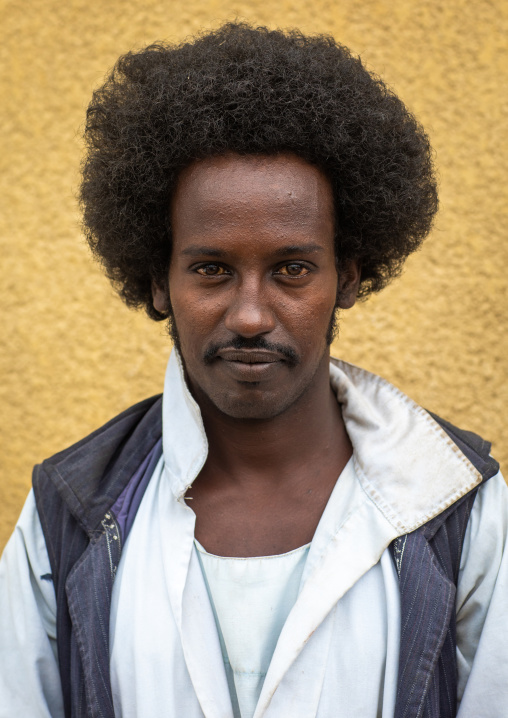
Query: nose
[[250, 313]]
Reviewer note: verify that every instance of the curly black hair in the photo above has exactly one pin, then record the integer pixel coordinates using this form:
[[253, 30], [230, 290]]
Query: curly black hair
[[251, 90]]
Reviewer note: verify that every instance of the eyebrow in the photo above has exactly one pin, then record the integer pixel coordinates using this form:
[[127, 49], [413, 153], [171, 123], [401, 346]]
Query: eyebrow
[[196, 251], [300, 249]]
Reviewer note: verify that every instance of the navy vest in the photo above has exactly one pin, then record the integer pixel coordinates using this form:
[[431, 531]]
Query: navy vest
[[87, 497]]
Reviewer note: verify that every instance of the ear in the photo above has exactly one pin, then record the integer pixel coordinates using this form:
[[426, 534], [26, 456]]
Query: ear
[[349, 281], [160, 298]]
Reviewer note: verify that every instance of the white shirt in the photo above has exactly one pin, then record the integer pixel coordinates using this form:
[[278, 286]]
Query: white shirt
[[338, 649]]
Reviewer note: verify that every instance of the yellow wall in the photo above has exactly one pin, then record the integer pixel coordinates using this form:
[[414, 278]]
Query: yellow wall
[[73, 356]]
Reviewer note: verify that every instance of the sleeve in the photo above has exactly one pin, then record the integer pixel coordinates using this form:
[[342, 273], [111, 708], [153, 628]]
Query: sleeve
[[29, 677], [482, 606]]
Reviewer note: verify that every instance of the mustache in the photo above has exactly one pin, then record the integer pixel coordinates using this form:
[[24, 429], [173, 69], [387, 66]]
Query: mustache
[[258, 342]]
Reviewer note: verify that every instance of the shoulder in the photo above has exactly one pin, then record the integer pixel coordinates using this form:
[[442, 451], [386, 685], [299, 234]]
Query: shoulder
[[487, 532], [473, 446], [116, 431], [99, 465]]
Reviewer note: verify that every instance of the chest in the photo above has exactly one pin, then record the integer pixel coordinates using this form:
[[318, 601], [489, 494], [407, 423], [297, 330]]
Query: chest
[[172, 656], [256, 522]]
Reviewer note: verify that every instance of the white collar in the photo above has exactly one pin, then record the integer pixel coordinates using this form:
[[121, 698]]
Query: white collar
[[406, 464], [405, 461]]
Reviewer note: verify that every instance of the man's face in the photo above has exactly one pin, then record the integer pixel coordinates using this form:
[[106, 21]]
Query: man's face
[[253, 280]]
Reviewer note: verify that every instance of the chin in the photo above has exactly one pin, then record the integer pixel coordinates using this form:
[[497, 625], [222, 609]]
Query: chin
[[254, 407]]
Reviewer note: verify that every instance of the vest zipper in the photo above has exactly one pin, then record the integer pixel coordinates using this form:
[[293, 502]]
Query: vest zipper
[[113, 541]]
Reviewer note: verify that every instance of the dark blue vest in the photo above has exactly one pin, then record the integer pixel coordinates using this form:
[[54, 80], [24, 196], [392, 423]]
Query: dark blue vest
[[87, 497]]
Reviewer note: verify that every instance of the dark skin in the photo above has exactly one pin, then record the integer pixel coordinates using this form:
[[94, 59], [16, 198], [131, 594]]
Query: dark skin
[[254, 286]]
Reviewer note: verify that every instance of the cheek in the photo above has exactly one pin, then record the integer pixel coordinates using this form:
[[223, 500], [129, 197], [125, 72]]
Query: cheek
[[195, 315], [309, 317], [316, 317], [319, 302]]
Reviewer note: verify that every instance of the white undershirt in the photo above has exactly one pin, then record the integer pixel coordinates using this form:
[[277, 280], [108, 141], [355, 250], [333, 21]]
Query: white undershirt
[[252, 598]]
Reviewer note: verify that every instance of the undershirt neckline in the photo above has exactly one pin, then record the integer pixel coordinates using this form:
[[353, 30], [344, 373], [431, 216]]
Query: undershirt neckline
[[203, 550]]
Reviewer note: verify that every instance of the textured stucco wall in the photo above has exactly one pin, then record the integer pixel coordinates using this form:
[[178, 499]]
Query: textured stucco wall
[[72, 355]]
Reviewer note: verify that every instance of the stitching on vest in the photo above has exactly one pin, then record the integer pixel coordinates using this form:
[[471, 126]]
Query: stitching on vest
[[398, 552]]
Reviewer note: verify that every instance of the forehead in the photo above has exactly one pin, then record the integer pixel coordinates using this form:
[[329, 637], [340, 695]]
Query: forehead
[[279, 193]]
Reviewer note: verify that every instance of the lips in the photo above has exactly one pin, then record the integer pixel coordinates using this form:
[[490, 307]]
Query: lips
[[250, 356], [251, 366]]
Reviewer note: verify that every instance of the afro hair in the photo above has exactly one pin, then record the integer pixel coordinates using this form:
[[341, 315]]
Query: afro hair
[[250, 90]]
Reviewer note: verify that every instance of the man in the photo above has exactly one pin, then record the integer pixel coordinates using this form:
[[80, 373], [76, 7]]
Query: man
[[277, 535]]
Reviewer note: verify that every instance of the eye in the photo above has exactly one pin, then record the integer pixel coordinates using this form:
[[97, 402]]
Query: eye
[[211, 270], [293, 269]]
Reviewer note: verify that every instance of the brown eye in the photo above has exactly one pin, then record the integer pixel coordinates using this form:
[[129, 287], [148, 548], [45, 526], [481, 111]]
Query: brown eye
[[210, 270], [294, 270]]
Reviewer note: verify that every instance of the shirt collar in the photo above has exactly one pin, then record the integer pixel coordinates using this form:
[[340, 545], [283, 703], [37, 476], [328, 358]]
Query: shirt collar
[[404, 460], [184, 441], [406, 464]]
